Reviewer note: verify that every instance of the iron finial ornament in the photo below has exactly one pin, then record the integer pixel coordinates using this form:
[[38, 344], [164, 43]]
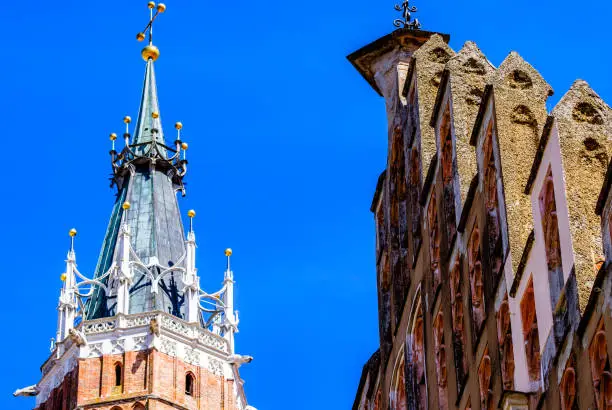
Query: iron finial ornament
[[407, 21], [150, 51]]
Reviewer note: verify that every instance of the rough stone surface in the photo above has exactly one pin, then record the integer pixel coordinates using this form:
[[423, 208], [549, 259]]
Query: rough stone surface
[[520, 105], [585, 125], [468, 71], [430, 60]]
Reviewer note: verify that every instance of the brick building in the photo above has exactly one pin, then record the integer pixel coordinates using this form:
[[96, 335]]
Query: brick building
[[140, 333], [493, 233]]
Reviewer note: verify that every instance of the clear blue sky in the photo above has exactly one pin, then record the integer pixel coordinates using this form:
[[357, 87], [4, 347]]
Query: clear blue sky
[[287, 141]]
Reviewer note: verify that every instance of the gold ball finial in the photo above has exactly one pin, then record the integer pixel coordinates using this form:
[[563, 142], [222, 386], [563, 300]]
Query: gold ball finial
[[127, 119], [151, 4], [155, 115], [228, 252], [113, 136], [161, 7], [140, 36], [126, 205], [150, 52], [63, 277], [72, 233], [178, 125], [191, 213], [185, 146]]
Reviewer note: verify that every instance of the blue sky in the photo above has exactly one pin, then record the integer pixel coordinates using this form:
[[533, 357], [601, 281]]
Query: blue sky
[[286, 143]]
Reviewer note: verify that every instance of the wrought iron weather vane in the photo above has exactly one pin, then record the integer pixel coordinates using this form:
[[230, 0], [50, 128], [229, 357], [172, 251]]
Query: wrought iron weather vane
[[407, 21]]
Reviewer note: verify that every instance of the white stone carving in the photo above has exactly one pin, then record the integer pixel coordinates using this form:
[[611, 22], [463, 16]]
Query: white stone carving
[[174, 325], [140, 342], [192, 356], [215, 366], [168, 347], [95, 350], [118, 346], [98, 327]]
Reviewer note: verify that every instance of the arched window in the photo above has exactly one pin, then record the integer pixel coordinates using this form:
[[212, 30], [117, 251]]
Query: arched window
[[415, 345], [476, 280], [434, 241], [457, 312], [492, 202], [118, 375], [550, 226], [530, 332], [190, 384], [506, 349], [485, 382], [600, 368], [440, 360], [567, 388], [398, 389], [138, 406]]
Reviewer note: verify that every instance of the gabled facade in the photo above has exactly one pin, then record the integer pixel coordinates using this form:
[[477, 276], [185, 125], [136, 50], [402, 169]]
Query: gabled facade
[[140, 333], [493, 234]]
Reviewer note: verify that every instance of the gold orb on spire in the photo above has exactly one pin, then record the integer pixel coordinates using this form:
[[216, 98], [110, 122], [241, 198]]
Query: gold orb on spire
[[140, 36], [151, 4], [126, 205], [150, 52], [155, 115], [228, 252], [178, 125], [113, 136], [161, 7], [127, 119], [63, 277], [184, 146], [72, 233], [191, 213]]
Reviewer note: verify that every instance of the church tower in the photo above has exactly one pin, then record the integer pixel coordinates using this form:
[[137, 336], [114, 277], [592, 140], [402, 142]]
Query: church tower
[[140, 333]]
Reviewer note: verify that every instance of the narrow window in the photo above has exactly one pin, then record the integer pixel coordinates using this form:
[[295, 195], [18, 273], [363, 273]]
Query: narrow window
[[419, 386], [600, 368], [567, 387], [476, 280], [448, 175], [550, 226], [457, 312], [530, 332], [189, 384], [486, 382], [492, 202], [118, 375], [414, 188], [506, 349], [434, 241], [440, 359]]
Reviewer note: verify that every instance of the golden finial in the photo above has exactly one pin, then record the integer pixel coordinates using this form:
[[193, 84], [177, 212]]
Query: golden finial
[[191, 213], [228, 252], [72, 233], [150, 51], [178, 125], [63, 277], [126, 205], [113, 136], [184, 146], [127, 119], [155, 115]]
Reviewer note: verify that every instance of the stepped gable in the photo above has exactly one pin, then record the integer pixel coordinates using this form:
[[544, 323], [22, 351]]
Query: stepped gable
[[429, 62], [467, 73], [584, 122], [520, 94]]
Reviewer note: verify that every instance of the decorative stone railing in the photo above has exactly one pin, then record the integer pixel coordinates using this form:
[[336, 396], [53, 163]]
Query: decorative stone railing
[[165, 322]]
